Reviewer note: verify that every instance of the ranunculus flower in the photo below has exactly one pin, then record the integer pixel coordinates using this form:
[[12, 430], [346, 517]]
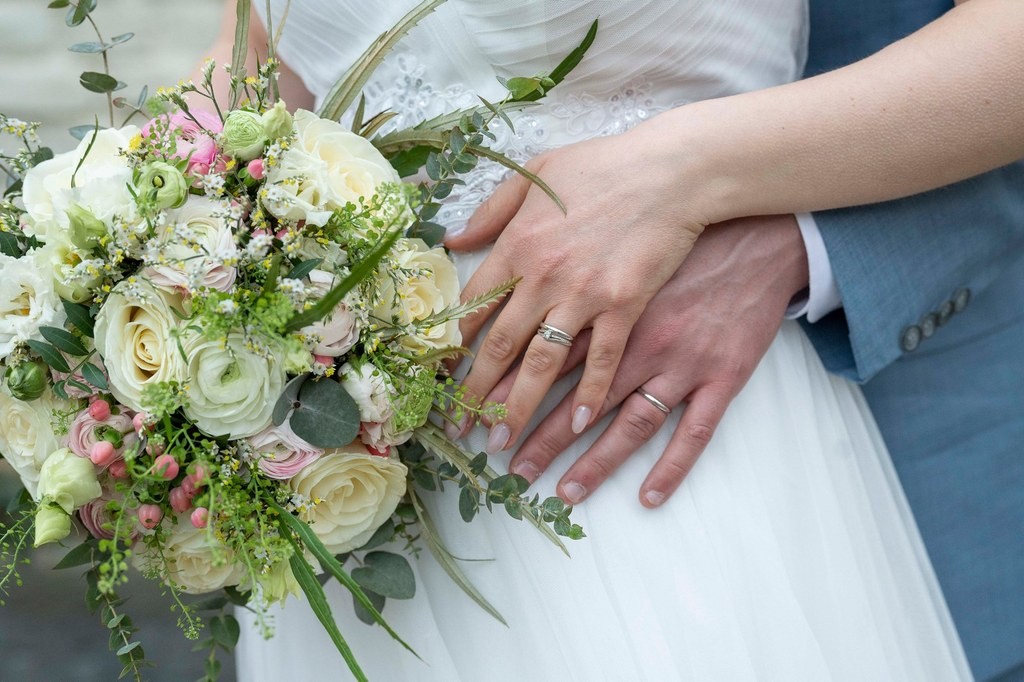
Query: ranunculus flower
[[135, 339], [325, 168], [68, 480], [28, 301], [339, 331], [101, 186], [85, 432], [371, 390], [197, 248], [164, 183], [190, 561], [194, 140], [354, 493], [231, 389], [277, 122], [432, 286], [381, 436], [281, 453], [244, 136], [96, 518], [26, 435]]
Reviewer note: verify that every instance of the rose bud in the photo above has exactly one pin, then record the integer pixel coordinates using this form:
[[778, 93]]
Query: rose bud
[[200, 517], [199, 475], [150, 515], [139, 422], [27, 380], [166, 466]]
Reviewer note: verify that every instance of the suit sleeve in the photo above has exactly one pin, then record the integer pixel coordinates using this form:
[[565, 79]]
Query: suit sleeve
[[904, 267]]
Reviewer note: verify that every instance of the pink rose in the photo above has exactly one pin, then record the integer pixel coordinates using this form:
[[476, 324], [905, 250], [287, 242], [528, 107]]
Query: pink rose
[[281, 453], [86, 431]]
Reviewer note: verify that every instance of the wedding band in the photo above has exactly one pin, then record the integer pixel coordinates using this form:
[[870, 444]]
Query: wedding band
[[554, 334], [654, 401]]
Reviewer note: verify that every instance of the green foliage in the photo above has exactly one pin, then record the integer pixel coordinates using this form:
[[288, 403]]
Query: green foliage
[[386, 574], [325, 415]]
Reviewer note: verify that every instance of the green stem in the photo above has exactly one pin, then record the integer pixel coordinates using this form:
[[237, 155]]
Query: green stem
[[106, 67]]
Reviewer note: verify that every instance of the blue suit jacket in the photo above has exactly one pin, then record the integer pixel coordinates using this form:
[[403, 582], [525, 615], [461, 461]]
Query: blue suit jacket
[[933, 322]]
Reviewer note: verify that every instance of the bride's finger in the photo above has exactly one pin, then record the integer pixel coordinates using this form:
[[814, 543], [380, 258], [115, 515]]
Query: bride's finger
[[492, 273], [638, 420], [491, 218], [700, 419], [538, 370], [607, 343]]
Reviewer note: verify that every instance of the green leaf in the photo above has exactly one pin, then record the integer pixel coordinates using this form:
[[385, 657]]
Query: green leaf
[[571, 61], [382, 536], [303, 269], [128, 648], [469, 503], [240, 47], [363, 269], [94, 375], [211, 604], [225, 631], [79, 556], [376, 123], [479, 464], [50, 355], [79, 132], [387, 574], [122, 38], [64, 340], [431, 233], [98, 82], [522, 88], [409, 161], [290, 396], [357, 119], [349, 86], [9, 245], [327, 416], [59, 4], [364, 615], [317, 599], [90, 47], [76, 15], [80, 316]]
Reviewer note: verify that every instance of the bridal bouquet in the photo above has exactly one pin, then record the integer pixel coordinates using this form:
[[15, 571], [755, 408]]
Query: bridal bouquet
[[221, 342]]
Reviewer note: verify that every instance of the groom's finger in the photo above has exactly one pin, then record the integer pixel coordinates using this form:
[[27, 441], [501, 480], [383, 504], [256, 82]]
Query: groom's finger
[[490, 219], [700, 419]]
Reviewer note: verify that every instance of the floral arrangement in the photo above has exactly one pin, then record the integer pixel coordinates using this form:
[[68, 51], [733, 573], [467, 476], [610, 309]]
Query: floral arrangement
[[222, 338]]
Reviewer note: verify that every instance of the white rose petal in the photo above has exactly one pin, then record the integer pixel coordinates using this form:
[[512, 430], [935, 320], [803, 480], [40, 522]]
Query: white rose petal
[[190, 561], [26, 435], [354, 494], [28, 301], [137, 344], [206, 258]]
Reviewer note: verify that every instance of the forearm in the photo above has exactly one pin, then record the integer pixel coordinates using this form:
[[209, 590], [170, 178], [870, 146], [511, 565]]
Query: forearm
[[939, 106]]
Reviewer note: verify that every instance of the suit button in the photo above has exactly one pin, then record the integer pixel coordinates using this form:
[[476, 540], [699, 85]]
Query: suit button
[[946, 311], [929, 324], [960, 299], [911, 338]]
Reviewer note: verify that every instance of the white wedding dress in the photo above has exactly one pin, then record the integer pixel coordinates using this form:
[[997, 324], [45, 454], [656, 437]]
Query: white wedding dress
[[788, 554]]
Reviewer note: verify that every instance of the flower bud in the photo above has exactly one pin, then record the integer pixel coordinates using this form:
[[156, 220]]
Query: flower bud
[[166, 181], [150, 515], [68, 480], [256, 168], [27, 380], [200, 518], [118, 469], [103, 453], [244, 137], [53, 524], [166, 467], [99, 410], [181, 501], [85, 229], [277, 122]]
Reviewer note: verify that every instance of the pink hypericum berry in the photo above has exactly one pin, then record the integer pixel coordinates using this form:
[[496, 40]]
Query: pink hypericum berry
[[150, 515], [199, 475], [200, 517], [139, 422], [118, 469], [181, 501], [382, 452], [100, 410], [256, 169], [102, 453], [156, 449], [325, 360], [166, 466], [189, 486]]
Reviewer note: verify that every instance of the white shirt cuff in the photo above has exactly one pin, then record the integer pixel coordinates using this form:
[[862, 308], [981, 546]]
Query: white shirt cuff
[[822, 292]]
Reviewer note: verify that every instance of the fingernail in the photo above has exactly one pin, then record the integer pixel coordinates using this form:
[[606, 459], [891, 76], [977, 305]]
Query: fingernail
[[498, 438], [455, 430], [580, 419], [574, 492], [527, 470], [654, 498]]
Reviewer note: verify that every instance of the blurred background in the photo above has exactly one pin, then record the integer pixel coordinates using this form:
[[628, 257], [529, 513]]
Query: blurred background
[[46, 632]]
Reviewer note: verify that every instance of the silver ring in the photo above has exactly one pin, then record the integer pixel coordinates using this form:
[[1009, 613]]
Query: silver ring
[[554, 334], [654, 401]]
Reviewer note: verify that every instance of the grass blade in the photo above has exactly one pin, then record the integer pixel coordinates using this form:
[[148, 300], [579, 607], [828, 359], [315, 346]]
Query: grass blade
[[240, 48]]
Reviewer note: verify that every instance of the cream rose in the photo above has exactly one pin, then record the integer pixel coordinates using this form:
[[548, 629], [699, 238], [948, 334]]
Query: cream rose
[[101, 185], [26, 435], [197, 249], [371, 390], [351, 493], [338, 332], [231, 390], [28, 301], [136, 341], [326, 167], [190, 562], [432, 286]]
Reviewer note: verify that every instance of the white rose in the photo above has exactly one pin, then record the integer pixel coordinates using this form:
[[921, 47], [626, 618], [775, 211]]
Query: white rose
[[197, 248], [432, 286], [136, 341], [190, 562], [26, 435], [101, 185], [231, 390], [371, 390], [352, 493], [326, 167], [68, 480], [338, 332], [28, 301]]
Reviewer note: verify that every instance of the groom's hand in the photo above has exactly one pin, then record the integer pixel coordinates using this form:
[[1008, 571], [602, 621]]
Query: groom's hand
[[697, 343]]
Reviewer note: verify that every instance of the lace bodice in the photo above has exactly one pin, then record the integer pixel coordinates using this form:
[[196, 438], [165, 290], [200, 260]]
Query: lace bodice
[[649, 56]]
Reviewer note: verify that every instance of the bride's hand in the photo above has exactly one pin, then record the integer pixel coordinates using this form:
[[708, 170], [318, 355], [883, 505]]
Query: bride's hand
[[627, 228]]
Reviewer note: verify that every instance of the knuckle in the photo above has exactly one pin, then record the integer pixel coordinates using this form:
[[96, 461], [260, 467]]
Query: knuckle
[[700, 433], [540, 361], [546, 446], [498, 347], [640, 426], [676, 469], [603, 359], [597, 469]]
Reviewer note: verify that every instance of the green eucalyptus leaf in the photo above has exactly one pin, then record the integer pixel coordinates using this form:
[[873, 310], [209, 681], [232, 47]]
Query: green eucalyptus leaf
[[77, 14], [122, 38], [382, 536], [289, 397], [90, 47], [50, 355], [409, 161], [362, 614], [387, 574], [79, 132], [79, 556], [225, 631], [59, 4], [211, 604], [327, 416], [9, 245], [469, 503], [431, 233], [64, 340], [79, 316], [98, 82], [128, 648]]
